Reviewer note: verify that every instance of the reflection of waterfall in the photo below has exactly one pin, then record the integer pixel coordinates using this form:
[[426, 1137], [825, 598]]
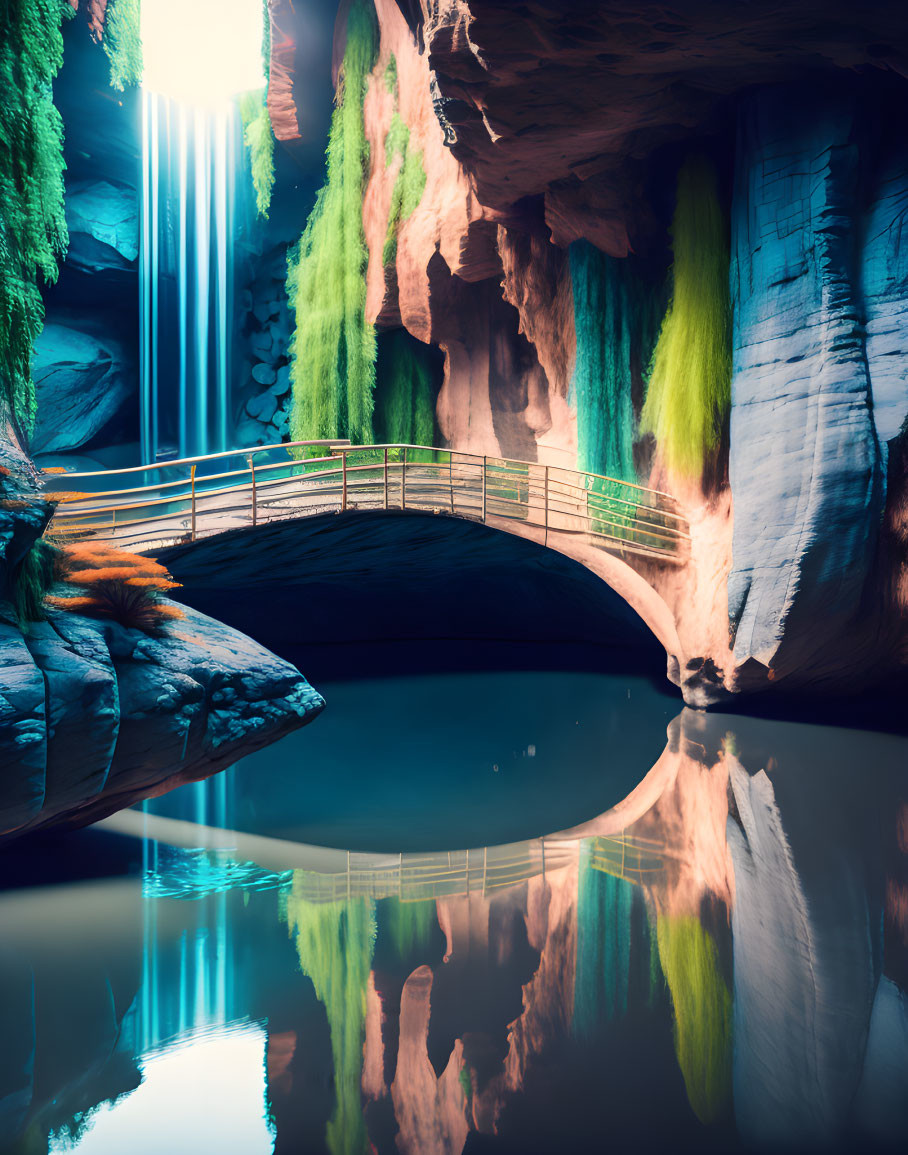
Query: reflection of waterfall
[[187, 985], [196, 202]]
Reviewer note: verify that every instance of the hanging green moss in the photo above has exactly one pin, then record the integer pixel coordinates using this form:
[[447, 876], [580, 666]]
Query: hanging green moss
[[410, 182], [333, 347], [689, 389], [259, 141], [32, 222], [123, 42], [335, 942], [34, 578], [405, 391], [614, 320], [703, 1012]]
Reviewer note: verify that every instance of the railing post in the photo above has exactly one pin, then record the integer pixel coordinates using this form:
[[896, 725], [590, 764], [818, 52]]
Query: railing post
[[192, 488], [251, 460], [546, 485], [484, 467], [451, 476], [344, 482], [403, 481], [386, 476]]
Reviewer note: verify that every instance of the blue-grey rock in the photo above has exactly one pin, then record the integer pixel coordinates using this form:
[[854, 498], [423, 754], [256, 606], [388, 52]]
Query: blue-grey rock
[[282, 381], [103, 221], [264, 374], [806, 469], [83, 377], [262, 406], [94, 716], [884, 284]]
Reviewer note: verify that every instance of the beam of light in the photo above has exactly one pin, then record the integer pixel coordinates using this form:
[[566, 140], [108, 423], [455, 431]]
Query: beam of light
[[202, 52]]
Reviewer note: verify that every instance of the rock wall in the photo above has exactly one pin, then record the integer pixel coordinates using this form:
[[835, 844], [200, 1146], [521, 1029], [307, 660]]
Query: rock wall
[[538, 128], [819, 384]]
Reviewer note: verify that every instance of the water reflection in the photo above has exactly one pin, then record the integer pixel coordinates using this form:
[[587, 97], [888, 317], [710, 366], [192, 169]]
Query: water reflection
[[718, 962]]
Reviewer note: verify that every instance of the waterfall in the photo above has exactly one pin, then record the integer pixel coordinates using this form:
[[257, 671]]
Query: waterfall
[[197, 202]]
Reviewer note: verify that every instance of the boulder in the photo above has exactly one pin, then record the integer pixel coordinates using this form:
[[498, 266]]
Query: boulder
[[95, 716], [103, 221], [262, 406], [263, 373], [83, 378]]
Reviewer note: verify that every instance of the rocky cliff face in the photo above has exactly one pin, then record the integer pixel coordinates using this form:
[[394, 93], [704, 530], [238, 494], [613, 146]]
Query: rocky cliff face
[[538, 128], [95, 716]]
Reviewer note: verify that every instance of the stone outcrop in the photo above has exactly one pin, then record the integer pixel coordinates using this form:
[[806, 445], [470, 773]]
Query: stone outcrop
[[94, 715], [84, 377]]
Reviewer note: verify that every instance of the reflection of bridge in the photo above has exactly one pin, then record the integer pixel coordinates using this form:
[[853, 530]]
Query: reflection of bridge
[[182, 501], [325, 875]]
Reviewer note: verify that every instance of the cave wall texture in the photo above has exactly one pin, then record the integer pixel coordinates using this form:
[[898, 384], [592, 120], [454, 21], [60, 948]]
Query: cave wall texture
[[538, 260]]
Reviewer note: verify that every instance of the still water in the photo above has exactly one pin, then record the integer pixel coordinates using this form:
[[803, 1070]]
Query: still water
[[534, 912]]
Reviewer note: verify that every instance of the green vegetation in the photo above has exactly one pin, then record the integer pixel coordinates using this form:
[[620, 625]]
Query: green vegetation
[[410, 181], [259, 140], [391, 76], [703, 1012], [335, 942], [123, 42], [404, 391], [615, 323], [689, 388], [601, 982], [36, 574], [333, 348], [408, 925], [32, 222]]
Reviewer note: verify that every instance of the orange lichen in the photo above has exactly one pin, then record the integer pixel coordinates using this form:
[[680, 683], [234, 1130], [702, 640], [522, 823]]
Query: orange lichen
[[125, 587]]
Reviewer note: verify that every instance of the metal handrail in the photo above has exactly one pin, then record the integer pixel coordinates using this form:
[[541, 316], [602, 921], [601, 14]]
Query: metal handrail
[[550, 498]]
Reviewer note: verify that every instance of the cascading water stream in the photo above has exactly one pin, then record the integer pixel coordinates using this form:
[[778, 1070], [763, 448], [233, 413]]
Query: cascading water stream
[[197, 202]]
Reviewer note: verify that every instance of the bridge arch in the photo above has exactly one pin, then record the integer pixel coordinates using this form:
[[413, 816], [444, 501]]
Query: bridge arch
[[616, 530]]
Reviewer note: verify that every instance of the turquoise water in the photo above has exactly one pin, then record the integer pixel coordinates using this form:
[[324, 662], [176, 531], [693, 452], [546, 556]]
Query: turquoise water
[[401, 930]]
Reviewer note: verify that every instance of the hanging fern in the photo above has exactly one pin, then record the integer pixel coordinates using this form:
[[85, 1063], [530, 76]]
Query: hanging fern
[[333, 347], [689, 389], [410, 181], [33, 231], [123, 42], [259, 140]]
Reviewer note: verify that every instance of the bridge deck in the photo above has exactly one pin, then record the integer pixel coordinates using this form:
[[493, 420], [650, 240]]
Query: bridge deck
[[185, 500]]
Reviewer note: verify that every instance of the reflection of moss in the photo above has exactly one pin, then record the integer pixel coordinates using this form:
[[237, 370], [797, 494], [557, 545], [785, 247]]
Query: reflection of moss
[[602, 972], [32, 221], [259, 141], [123, 42], [391, 75], [335, 942], [703, 1010], [408, 925], [333, 347], [689, 388]]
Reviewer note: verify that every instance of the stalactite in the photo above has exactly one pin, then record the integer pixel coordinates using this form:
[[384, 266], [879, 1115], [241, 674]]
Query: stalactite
[[689, 389], [33, 231], [333, 348], [614, 311]]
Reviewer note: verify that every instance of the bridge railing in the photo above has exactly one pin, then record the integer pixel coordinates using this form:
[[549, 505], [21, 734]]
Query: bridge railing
[[198, 497]]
